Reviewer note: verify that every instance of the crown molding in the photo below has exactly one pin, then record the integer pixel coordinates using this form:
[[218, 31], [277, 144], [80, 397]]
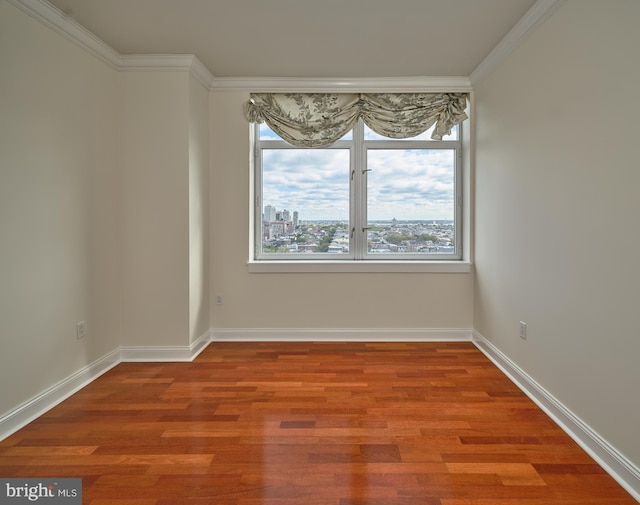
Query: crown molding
[[167, 63], [531, 21], [201, 72], [151, 62], [62, 24], [328, 85]]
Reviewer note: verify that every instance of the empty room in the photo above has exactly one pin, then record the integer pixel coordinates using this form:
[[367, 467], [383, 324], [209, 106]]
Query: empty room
[[335, 252]]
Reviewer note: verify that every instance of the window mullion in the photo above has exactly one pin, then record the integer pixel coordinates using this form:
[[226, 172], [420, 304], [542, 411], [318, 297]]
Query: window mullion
[[359, 203]]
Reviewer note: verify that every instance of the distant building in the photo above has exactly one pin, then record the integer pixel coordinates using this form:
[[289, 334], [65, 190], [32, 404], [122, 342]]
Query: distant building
[[295, 218], [276, 229], [269, 213]]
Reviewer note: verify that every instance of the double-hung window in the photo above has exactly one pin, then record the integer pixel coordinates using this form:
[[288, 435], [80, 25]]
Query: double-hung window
[[364, 197]]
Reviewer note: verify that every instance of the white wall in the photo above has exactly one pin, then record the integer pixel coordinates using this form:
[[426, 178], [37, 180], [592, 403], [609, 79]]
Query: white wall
[[557, 213], [164, 155], [58, 208], [103, 208], [383, 300], [154, 146], [198, 209]]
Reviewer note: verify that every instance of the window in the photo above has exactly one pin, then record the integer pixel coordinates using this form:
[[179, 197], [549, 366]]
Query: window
[[363, 198]]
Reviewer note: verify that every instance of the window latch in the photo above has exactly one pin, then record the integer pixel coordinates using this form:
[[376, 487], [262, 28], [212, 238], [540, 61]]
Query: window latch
[[365, 170], [365, 228], [353, 230]]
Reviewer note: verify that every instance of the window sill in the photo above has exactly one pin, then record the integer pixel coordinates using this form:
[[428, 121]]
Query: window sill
[[281, 267]]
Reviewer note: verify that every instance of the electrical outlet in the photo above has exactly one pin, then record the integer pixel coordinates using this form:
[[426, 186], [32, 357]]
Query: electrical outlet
[[218, 299], [81, 330], [523, 330]]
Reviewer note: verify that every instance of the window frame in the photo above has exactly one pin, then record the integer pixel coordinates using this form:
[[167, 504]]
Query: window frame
[[358, 259]]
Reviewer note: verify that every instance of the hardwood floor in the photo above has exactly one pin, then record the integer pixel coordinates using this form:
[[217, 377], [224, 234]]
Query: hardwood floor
[[312, 424]]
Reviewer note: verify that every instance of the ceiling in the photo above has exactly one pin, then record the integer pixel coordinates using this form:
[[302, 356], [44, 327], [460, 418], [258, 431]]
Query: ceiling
[[307, 38]]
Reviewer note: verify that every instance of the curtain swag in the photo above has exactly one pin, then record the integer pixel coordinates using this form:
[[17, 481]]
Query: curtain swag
[[319, 119]]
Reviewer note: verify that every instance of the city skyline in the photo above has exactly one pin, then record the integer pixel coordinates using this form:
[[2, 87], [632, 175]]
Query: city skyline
[[282, 236], [294, 216]]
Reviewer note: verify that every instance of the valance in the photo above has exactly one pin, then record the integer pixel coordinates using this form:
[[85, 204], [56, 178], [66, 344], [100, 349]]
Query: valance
[[319, 119]]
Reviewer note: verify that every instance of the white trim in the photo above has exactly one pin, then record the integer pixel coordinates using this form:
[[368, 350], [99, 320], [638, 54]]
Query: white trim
[[147, 62], [22, 415], [607, 456], [340, 335], [328, 85], [45, 401], [533, 18], [30, 410], [166, 63], [165, 353], [335, 266], [62, 24], [201, 72]]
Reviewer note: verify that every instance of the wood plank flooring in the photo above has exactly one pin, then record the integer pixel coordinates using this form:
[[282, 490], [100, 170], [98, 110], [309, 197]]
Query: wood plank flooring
[[312, 424]]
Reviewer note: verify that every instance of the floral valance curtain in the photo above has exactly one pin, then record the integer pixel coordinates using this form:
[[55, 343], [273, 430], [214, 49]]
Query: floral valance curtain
[[319, 119]]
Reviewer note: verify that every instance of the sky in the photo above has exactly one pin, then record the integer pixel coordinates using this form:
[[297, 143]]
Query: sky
[[405, 184]]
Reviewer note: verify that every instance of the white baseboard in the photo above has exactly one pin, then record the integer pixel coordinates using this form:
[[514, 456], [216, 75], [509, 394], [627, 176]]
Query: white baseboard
[[165, 353], [45, 401], [340, 335], [607, 456], [620, 468], [22, 415]]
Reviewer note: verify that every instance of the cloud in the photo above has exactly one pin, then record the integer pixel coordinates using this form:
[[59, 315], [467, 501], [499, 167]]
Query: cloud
[[313, 182], [410, 184], [406, 184]]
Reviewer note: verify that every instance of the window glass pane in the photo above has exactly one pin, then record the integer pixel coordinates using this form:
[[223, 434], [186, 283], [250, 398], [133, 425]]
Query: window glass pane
[[305, 195], [369, 134], [267, 133], [411, 201]]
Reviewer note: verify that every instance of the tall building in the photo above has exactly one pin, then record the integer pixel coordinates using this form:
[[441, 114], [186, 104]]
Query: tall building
[[286, 215], [295, 218], [269, 213]]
